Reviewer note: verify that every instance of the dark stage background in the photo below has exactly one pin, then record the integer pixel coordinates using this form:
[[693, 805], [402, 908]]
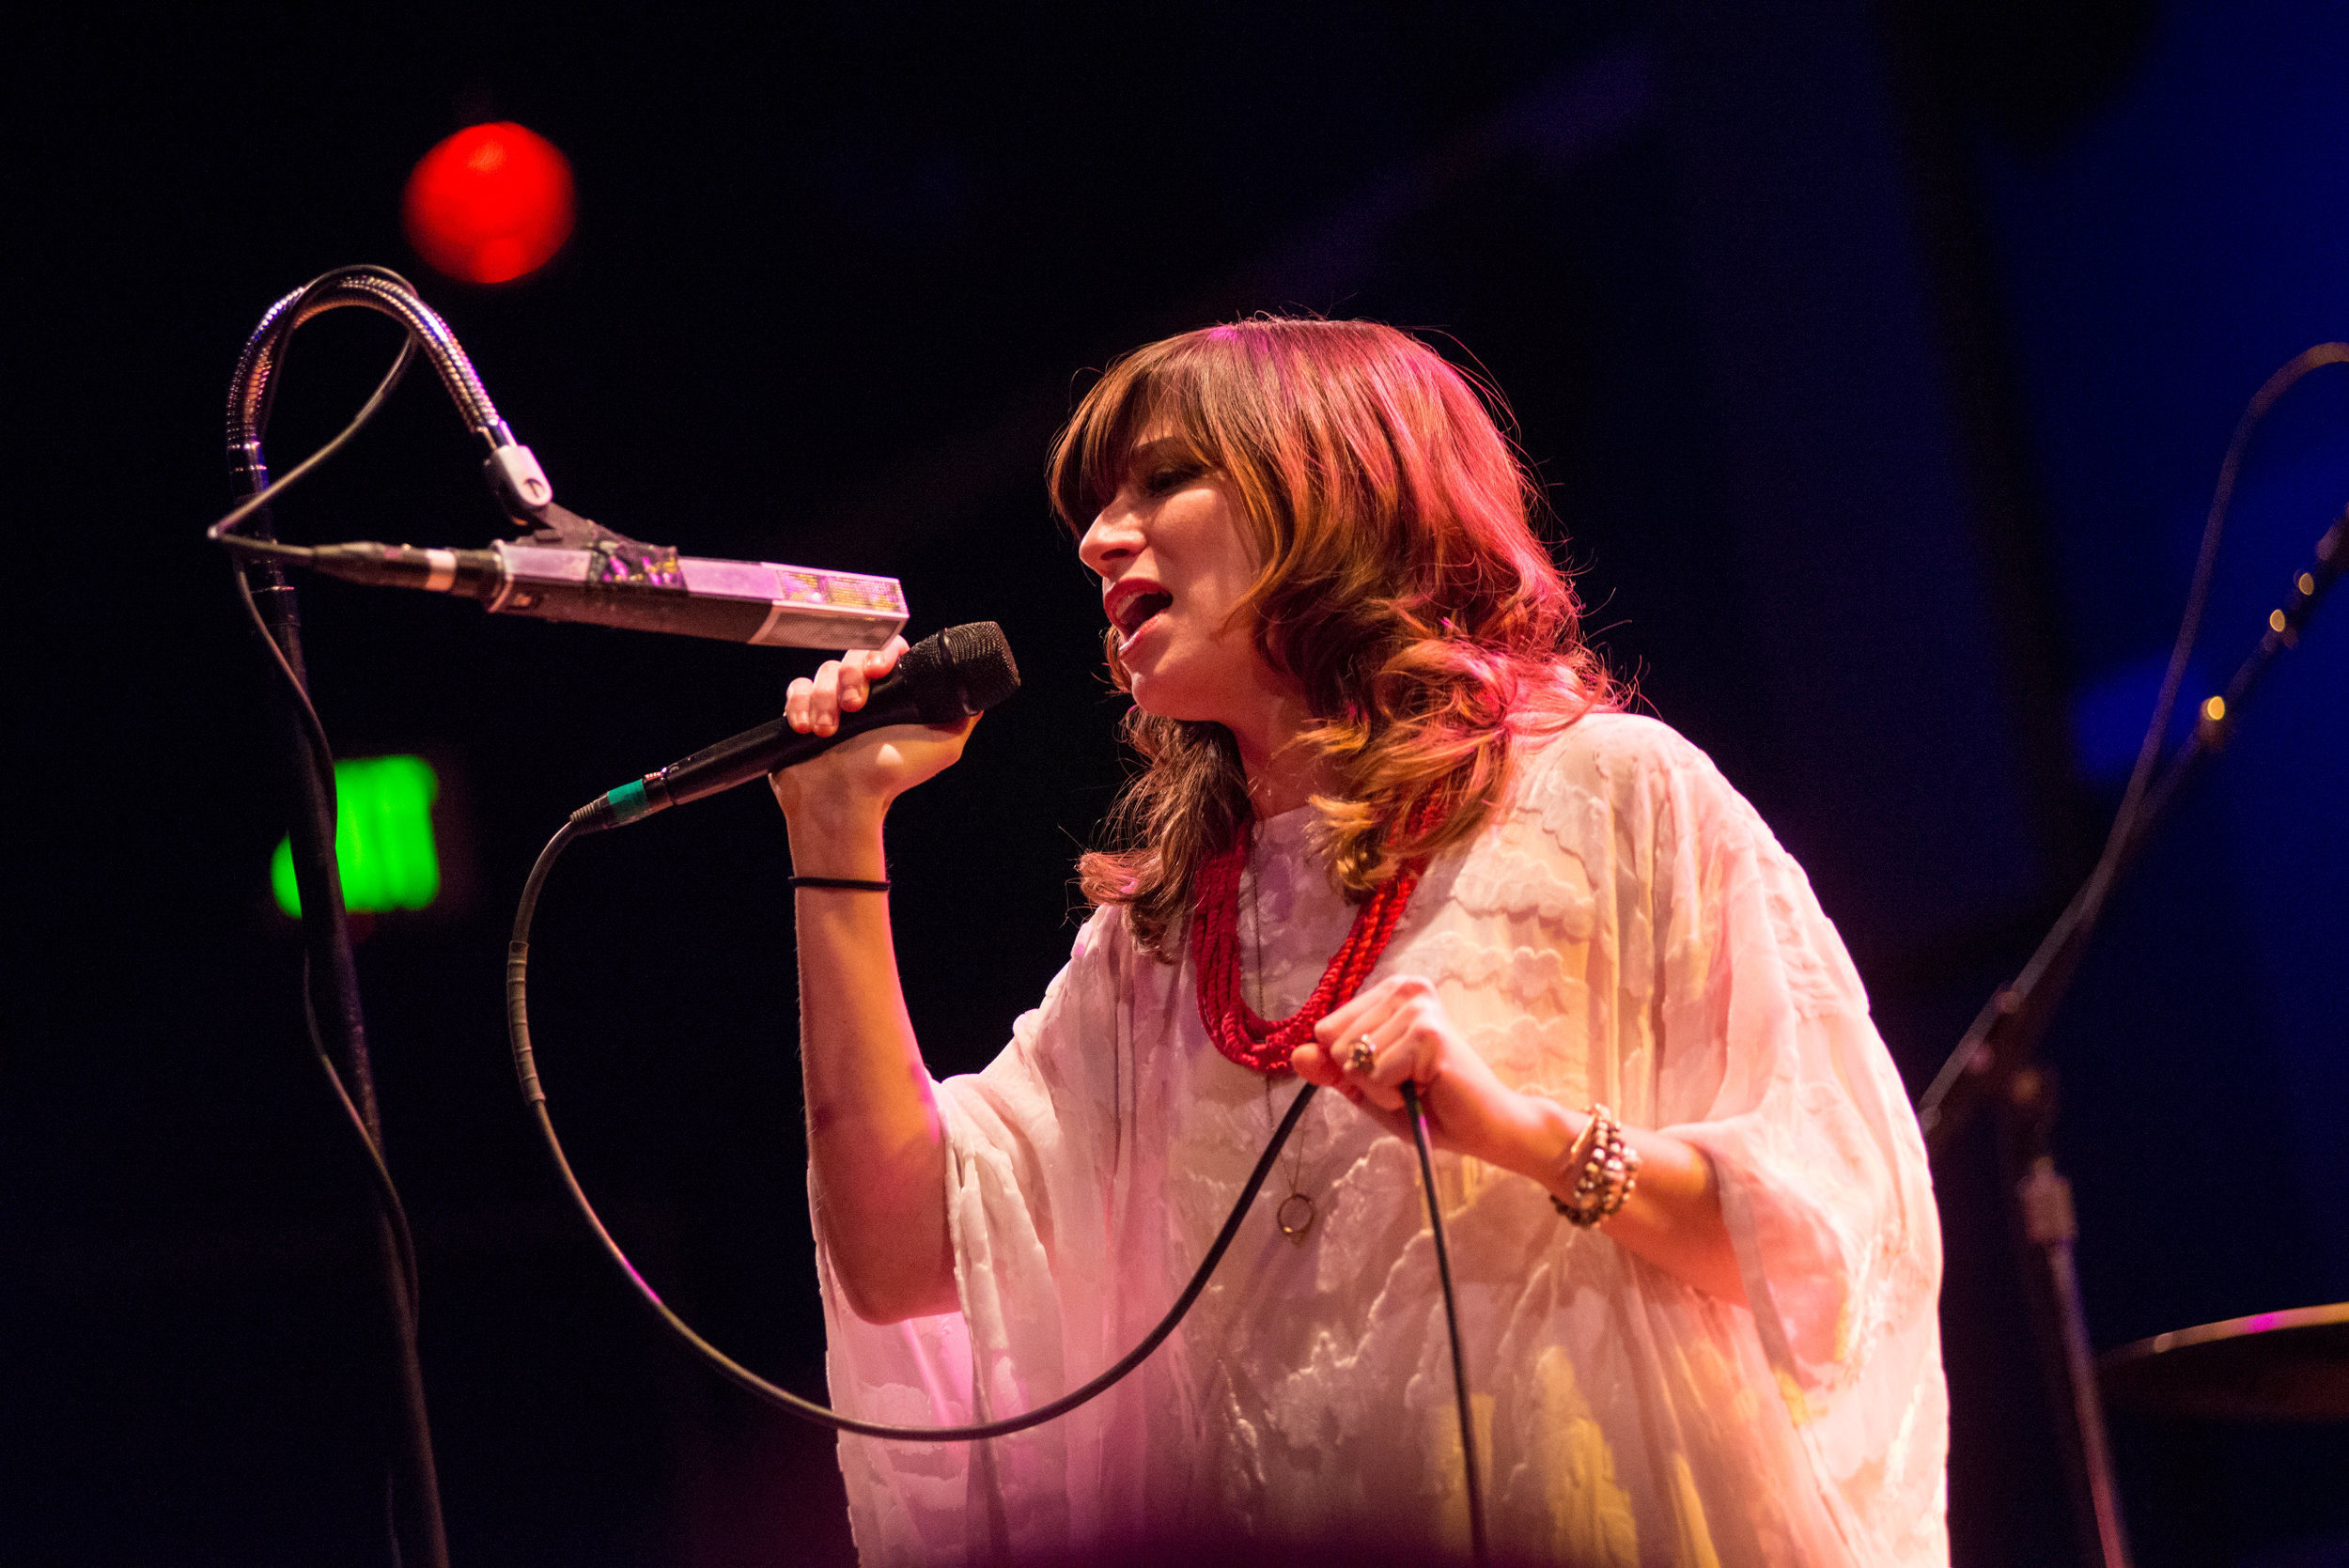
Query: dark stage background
[[1879, 360]]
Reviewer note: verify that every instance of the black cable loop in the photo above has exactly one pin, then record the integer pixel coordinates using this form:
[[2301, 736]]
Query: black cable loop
[[251, 469], [526, 1073], [533, 1094], [252, 390]]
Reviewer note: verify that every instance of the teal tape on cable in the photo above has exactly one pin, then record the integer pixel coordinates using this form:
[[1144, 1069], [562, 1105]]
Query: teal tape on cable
[[629, 803]]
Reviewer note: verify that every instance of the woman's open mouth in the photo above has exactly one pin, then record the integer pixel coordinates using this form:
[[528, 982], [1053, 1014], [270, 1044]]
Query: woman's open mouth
[[1129, 608]]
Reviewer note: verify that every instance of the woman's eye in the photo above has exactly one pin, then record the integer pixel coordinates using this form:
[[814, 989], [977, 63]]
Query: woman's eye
[[1162, 480]]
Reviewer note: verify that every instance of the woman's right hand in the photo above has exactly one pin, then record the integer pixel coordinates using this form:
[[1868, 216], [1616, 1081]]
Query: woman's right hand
[[859, 776]]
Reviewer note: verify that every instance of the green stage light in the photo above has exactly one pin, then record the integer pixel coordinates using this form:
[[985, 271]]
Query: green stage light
[[382, 837]]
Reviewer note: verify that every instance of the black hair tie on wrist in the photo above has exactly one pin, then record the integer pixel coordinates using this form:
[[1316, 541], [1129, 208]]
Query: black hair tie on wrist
[[852, 884]]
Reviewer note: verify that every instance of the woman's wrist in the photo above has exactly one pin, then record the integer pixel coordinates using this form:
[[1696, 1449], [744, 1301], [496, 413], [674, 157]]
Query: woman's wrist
[[832, 839], [1543, 1147]]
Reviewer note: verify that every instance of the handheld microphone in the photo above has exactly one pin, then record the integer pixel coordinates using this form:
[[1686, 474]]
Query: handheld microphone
[[573, 571], [943, 679]]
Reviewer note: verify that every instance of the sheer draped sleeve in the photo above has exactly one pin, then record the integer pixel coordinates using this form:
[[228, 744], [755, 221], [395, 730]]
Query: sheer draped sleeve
[[1767, 1062]]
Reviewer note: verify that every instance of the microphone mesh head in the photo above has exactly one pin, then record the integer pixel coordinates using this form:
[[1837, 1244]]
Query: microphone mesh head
[[960, 671]]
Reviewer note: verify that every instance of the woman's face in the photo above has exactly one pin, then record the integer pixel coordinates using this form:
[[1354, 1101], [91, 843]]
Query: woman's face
[[1174, 562]]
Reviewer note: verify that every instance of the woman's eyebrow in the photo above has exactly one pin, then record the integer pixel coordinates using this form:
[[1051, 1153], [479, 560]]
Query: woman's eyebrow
[[1145, 452]]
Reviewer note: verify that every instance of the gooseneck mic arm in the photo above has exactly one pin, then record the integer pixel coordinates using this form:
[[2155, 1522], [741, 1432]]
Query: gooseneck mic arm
[[512, 470]]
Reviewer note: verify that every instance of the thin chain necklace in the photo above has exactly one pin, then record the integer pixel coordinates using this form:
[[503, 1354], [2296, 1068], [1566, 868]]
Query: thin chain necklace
[[1296, 1214]]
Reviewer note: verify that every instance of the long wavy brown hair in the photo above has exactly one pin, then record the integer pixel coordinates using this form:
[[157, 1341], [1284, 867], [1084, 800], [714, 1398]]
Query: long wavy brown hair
[[1400, 583]]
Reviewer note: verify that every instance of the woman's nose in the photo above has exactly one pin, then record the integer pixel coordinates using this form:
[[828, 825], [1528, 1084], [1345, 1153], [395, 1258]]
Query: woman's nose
[[1111, 538]]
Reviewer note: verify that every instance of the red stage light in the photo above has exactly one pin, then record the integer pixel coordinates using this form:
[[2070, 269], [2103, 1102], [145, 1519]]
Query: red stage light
[[490, 204]]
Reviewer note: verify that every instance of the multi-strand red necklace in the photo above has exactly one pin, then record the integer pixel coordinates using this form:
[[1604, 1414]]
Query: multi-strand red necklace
[[1266, 1044]]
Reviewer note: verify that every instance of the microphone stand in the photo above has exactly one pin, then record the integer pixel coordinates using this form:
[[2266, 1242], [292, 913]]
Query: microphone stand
[[415, 1501], [418, 1533], [1994, 1066]]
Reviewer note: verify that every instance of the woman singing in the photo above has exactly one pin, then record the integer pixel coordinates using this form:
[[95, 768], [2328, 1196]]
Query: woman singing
[[1391, 828]]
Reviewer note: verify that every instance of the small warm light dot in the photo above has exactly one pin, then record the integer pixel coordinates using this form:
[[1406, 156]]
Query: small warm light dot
[[2275, 620], [2214, 710], [2306, 583], [490, 204]]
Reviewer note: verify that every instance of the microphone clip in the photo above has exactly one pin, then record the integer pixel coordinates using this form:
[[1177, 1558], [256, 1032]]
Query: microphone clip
[[515, 477]]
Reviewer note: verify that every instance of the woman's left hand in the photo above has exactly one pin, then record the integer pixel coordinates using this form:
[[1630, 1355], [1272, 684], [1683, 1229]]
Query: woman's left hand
[[1398, 1032], [1409, 1037]]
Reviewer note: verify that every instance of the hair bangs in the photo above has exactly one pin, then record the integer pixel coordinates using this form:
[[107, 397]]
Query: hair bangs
[[1174, 382]]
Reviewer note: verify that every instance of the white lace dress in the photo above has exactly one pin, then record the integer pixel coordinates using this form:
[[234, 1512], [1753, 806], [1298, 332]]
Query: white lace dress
[[1625, 930]]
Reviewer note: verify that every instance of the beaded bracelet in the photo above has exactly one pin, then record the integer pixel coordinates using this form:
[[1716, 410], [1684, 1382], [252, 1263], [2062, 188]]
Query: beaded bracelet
[[1606, 1170]]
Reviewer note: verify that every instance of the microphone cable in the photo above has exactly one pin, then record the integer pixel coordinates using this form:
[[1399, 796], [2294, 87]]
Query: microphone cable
[[534, 1095], [379, 1174], [1450, 1323], [268, 346]]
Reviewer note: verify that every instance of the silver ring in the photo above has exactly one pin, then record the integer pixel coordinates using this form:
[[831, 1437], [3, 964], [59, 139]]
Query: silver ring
[[1364, 1056]]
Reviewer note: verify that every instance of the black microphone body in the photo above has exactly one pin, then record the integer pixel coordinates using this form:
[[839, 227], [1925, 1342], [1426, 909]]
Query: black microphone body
[[943, 679]]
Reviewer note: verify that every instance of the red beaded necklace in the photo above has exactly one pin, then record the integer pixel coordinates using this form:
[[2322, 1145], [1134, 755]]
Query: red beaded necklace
[[1266, 1044]]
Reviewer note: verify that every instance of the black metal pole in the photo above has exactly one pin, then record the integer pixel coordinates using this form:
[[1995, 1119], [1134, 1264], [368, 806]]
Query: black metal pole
[[2048, 1227], [415, 1496]]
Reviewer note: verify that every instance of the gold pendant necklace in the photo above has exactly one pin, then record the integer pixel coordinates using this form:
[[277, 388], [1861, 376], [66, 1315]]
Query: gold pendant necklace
[[1296, 1214]]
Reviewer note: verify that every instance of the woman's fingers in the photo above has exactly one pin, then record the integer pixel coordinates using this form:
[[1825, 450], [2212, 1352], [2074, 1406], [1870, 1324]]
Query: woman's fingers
[[1361, 1015], [825, 710], [1354, 1038], [813, 704], [1315, 1065], [860, 667], [1320, 1065], [864, 774], [1393, 1033], [877, 662]]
